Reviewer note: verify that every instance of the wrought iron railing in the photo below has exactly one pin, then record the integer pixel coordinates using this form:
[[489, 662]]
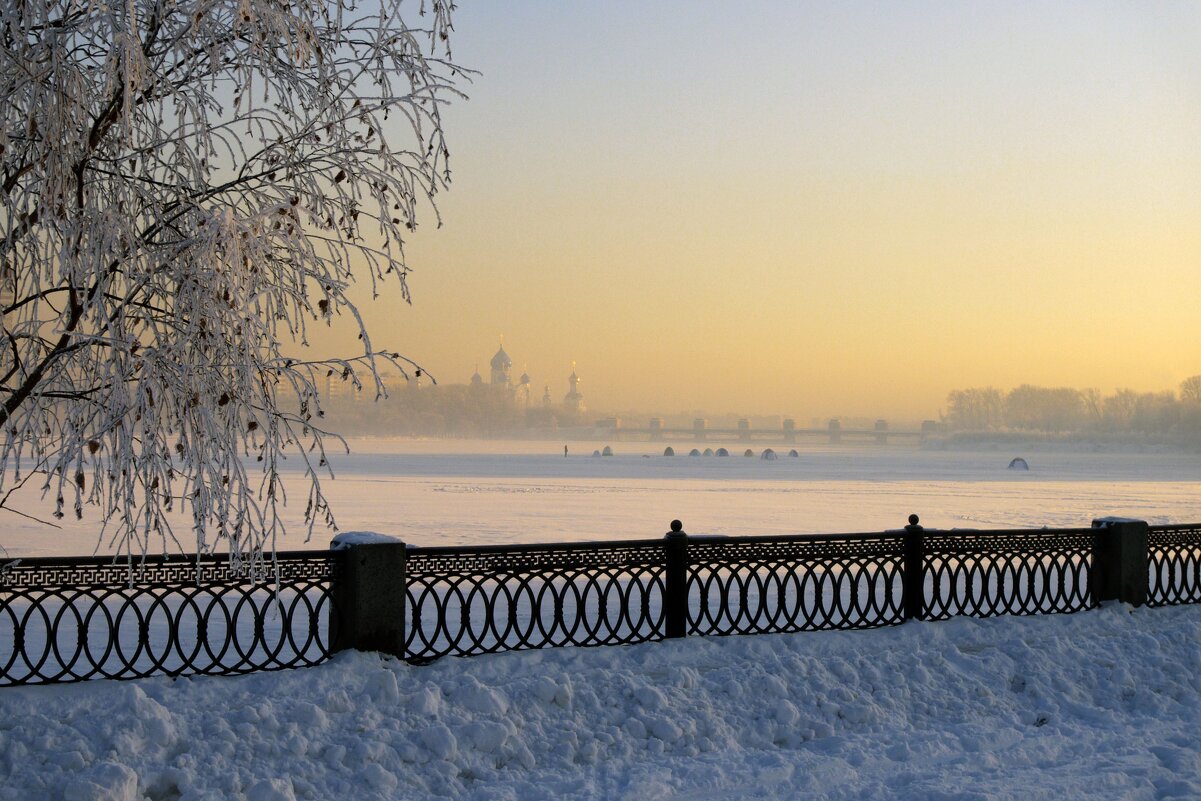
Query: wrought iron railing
[[464, 601], [73, 619], [987, 573], [1174, 565], [81, 618], [756, 585]]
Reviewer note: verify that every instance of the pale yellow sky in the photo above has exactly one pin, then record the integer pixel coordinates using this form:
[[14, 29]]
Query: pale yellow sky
[[817, 209]]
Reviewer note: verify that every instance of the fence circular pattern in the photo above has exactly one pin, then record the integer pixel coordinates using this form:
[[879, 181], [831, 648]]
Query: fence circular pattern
[[73, 619], [1007, 573], [749, 586], [461, 602], [1174, 565], [69, 620]]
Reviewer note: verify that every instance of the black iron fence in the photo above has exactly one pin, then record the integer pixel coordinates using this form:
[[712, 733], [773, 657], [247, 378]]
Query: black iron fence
[[759, 585], [73, 619], [1174, 565], [466, 601], [68, 619], [987, 573]]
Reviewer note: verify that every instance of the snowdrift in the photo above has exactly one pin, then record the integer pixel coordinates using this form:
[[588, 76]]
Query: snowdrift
[[1100, 704]]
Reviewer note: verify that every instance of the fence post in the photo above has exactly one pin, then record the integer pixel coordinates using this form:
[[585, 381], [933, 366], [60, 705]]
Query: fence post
[[675, 593], [914, 587], [368, 594], [1120, 561]]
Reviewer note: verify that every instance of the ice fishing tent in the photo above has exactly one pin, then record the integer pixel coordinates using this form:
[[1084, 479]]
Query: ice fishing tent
[[1018, 463]]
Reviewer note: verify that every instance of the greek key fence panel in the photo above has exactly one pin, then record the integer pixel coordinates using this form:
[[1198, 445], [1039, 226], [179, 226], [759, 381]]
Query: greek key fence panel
[[463, 601], [72, 619], [780, 584], [987, 573], [1174, 565]]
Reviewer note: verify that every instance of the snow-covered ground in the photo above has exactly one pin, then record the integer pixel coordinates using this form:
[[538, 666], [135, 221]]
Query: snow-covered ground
[[471, 492], [1101, 704]]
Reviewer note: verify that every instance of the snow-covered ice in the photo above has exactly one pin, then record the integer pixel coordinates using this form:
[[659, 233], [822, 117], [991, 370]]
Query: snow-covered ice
[[471, 492], [1100, 704]]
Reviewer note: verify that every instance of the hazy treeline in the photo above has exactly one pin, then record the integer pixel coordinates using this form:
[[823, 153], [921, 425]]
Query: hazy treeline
[[1053, 410]]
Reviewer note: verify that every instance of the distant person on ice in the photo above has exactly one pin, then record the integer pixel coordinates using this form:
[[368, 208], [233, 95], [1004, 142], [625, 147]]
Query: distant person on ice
[[564, 451]]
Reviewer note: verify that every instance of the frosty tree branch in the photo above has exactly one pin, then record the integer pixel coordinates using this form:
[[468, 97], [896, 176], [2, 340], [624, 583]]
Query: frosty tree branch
[[188, 186]]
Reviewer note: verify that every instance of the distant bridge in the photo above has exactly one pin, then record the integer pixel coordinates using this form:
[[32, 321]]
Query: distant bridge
[[700, 431]]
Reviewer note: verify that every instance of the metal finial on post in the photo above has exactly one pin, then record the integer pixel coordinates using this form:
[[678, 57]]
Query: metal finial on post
[[675, 582], [914, 579]]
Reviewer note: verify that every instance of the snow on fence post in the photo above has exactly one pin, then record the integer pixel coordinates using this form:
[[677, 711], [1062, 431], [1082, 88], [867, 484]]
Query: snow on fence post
[[675, 591], [913, 573], [369, 593], [1120, 559]]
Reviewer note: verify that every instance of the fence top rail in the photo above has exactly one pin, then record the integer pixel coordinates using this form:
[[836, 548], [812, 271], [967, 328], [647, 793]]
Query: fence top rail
[[1006, 532], [47, 572], [894, 534], [155, 560], [1176, 527], [595, 545], [758, 539], [532, 547]]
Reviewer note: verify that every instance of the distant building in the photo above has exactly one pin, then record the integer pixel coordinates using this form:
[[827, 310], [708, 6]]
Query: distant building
[[523, 389], [520, 393], [574, 399], [501, 365]]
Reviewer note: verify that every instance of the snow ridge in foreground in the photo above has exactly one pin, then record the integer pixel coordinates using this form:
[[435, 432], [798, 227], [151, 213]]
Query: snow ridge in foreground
[[1097, 704]]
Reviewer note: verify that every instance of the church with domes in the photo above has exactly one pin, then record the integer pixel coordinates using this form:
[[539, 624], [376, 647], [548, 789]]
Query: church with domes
[[574, 399], [494, 401], [501, 367]]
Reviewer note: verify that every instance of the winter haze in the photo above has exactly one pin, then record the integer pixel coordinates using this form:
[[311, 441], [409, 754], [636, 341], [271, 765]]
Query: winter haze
[[813, 209]]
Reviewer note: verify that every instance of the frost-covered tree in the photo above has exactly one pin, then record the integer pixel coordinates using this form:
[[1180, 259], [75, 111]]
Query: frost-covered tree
[[1190, 389], [190, 188], [976, 409]]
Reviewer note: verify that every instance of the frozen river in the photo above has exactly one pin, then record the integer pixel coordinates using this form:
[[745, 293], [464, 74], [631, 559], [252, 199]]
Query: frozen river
[[469, 492]]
